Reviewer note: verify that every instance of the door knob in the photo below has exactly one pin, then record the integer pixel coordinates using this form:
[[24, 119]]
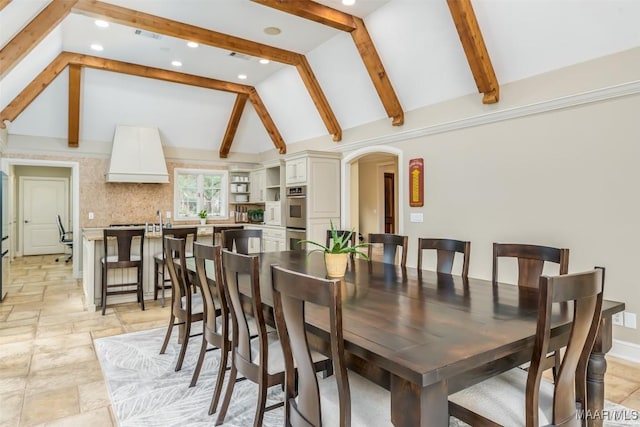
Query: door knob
[[26, 221]]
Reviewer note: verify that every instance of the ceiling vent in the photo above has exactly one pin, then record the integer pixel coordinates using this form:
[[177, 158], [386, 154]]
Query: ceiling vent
[[149, 34], [240, 56]]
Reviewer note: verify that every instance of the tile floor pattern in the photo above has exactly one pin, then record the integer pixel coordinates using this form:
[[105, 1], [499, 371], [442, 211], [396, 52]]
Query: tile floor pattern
[[49, 372]]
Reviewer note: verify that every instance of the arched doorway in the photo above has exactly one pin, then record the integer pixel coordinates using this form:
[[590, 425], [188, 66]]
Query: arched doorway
[[368, 205]]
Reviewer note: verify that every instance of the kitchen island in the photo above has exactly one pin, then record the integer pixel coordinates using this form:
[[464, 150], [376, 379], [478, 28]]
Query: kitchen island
[[93, 251]]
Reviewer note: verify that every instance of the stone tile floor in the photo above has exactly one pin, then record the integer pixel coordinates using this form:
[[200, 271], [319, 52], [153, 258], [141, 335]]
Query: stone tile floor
[[49, 373]]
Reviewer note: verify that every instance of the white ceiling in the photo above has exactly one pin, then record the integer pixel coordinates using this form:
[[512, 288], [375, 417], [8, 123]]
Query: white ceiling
[[416, 40]]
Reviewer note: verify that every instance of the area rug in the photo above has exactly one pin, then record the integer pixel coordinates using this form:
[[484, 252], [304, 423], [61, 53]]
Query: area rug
[[146, 391]]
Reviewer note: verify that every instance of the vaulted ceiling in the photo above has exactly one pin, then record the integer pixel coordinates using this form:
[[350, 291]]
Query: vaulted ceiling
[[329, 70]]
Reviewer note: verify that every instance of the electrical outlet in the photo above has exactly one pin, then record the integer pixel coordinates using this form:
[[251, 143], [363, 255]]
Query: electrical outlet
[[168, 215], [416, 217], [630, 320], [90, 215], [618, 319]]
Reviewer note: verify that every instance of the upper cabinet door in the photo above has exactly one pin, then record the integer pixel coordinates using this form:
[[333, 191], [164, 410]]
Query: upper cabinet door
[[296, 172]]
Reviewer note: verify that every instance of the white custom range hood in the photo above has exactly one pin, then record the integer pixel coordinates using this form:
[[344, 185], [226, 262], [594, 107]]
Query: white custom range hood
[[137, 156]]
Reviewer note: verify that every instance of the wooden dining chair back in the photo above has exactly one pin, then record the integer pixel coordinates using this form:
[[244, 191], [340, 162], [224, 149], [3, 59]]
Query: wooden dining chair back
[[531, 259], [250, 357], [539, 401], [215, 328], [291, 291], [390, 244], [125, 257], [190, 234], [186, 307], [446, 250], [308, 400], [343, 234], [239, 239]]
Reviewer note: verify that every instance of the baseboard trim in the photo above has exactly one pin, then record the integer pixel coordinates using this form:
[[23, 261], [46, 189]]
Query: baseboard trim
[[625, 350]]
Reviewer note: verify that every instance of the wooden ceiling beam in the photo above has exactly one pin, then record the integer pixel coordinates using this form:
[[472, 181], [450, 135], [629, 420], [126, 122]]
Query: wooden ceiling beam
[[36, 30], [156, 24], [156, 73], [320, 101], [4, 3], [352, 24], [33, 89], [168, 27], [267, 122], [314, 12], [75, 76], [76, 61], [232, 126], [475, 49], [376, 71]]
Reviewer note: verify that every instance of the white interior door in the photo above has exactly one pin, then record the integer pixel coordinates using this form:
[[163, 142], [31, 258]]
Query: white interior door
[[42, 200]]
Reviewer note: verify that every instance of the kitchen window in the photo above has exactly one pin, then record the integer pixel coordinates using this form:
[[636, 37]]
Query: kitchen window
[[198, 189]]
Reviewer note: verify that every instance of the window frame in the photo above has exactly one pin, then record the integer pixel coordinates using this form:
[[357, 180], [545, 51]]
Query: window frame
[[200, 173]]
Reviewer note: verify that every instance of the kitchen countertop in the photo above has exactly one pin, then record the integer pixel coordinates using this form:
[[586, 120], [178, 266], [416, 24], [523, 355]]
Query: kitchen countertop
[[203, 230]]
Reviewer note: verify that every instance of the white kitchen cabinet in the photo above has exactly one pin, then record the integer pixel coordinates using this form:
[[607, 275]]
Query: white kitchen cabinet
[[323, 187], [258, 186], [273, 239], [296, 171], [317, 228], [273, 213]]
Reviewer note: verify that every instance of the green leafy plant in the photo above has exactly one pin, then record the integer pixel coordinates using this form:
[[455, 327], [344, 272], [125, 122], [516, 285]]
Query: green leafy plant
[[203, 214], [340, 244], [256, 215]]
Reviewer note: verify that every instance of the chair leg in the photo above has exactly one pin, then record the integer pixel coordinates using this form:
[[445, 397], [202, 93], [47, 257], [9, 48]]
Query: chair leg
[[155, 280], [227, 393], [140, 290], [104, 289], [224, 354], [185, 341], [262, 402], [196, 371], [172, 319]]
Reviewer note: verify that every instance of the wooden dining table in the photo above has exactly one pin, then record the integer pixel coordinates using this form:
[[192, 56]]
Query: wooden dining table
[[425, 335]]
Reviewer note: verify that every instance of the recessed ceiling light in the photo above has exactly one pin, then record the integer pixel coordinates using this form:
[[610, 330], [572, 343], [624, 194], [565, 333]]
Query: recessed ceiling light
[[272, 31], [192, 44], [264, 61], [101, 23], [348, 2], [176, 63], [97, 47], [242, 76]]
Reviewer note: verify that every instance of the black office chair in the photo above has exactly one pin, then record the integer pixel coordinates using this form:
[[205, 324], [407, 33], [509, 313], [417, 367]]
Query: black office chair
[[66, 238]]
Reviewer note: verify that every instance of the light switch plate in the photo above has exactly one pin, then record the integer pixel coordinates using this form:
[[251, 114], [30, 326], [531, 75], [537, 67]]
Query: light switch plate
[[90, 215], [618, 319], [630, 320], [168, 215], [417, 217]]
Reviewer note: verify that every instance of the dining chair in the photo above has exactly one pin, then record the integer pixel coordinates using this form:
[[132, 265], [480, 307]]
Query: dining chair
[[390, 243], [189, 233], [358, 401], [523, 398], [259, 359], [239, 239], [186, 307], [446, 250], [531, 259], [215, 326], [124, 257]]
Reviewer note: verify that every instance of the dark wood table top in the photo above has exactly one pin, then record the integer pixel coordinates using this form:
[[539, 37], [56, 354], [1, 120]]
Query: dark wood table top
[[424, 327]]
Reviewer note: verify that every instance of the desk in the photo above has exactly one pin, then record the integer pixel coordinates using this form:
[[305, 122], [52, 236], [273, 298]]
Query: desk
[[436, 334]]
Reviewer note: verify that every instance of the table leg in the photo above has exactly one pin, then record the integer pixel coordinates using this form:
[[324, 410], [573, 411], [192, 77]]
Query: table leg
[[412, 405], [596, 369]]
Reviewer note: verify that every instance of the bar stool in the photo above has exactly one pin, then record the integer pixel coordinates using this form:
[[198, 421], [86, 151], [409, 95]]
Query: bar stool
[[158, 259], [123, 258]]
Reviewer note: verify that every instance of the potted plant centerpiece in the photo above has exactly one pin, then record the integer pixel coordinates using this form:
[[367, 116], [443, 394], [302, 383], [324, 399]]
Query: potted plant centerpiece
[[203, 216], [337, 255]]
